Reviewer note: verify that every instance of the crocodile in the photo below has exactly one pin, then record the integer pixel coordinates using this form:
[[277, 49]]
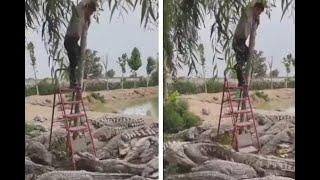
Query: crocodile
[[83, 175], [87, 161], [138, 133], [264, 165], [142, 150], [117, 121], [121, 142], [105, 133], [274, 116], [35, 169], [208, 175]]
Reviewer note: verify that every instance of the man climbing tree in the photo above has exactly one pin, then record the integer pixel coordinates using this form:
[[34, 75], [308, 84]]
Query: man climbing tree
[[250, 14], [80, 20]]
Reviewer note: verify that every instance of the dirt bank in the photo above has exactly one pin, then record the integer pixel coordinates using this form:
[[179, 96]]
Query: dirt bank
[[280, 99], [42, 105]]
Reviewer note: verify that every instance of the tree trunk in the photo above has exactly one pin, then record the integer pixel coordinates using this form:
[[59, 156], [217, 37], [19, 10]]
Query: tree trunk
[[248, 68], [165, 79], [251, 50], [204, 80], [122, 81], [147, 80], [107, 83], [287, 80], [35, 77], [80, 71], [271, 72], [134, 79]]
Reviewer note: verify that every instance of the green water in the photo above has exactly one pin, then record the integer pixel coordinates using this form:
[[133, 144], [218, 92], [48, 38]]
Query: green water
[[143, 106], [149, 107]]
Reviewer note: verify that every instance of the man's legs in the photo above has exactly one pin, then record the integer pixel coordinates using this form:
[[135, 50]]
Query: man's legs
[[73, 50], [242, 52]]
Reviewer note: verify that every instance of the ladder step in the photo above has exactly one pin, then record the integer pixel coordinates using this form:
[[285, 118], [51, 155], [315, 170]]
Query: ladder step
[[244, 124], [72, 116], [248, 149], [78, 128]]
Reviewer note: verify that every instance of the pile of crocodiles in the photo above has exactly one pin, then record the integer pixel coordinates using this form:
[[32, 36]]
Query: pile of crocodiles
[[127, 148], [196, 153]]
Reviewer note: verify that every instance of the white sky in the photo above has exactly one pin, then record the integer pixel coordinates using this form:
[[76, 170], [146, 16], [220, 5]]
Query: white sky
[[119, 36], [273, 37], [114, 38]]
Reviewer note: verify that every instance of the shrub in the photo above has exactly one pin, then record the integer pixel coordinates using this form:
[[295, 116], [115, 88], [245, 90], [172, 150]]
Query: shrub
[[190, 120], [214, 86], [176, 115], [186, 87], [261, 94], [46, 87], [172, 122], [154, 80], [97, 96]]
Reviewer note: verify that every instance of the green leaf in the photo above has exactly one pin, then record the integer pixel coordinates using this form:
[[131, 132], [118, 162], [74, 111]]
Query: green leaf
[[151, 13], [135, 4], [285, 9], [143, 10], [113, 8]]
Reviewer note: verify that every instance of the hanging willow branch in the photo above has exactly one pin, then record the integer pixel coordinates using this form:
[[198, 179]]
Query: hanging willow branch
[[52, 17]]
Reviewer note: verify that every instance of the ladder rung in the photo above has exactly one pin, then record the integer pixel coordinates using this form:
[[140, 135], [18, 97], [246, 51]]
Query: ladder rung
[[244, 124], [72, 116], [78, 128]]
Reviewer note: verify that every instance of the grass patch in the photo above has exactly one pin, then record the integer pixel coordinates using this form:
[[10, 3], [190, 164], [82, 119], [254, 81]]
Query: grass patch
[[29, 128], [262, 95]]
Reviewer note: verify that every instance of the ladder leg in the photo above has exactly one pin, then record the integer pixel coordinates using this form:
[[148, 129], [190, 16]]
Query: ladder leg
[[89, 129], [235, 138], [72, 104], [69, 142], [221, 109], [53, 107]]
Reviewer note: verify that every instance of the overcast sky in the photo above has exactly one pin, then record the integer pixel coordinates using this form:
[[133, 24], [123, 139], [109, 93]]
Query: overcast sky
[[114, 38], [273, 37], [119, 36]]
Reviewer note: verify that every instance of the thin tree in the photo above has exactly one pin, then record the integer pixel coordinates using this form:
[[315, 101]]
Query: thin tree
[[202, 61], [135, 63], [122, 61], [105, 64], [30, 48], [270, 71], [287, 64], [150, 67]]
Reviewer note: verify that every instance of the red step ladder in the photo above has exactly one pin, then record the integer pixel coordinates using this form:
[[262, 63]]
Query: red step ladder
[[68, 115], [232, 99]]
